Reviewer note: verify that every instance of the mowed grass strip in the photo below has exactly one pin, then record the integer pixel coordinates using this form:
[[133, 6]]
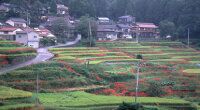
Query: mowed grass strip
[[137, 47], [74, 48], [175, 57], [192, 71], [163, 60], [74, 54], [81, 99], [78, 51], [7, 93], [17, 106]]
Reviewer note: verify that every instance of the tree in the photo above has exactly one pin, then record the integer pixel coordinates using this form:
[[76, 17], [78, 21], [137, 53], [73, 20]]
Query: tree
[[53, 7], [83, 27], [59, 28], [78, 8], [167, 28]]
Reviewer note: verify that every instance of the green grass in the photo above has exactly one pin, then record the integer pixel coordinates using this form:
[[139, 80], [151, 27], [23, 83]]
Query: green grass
[[80, 99], [16, 106], [7, 93], [163, 60], [192, 71]]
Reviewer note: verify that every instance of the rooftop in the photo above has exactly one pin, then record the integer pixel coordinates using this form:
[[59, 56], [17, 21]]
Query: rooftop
[[145, 25], [18, 20], [8, 29], [126, 16]]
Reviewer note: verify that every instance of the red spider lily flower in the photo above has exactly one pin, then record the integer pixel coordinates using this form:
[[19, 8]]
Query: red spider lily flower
[[98, 78]]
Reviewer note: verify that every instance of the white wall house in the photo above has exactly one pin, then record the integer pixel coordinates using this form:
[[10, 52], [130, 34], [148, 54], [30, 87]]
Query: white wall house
[[16, 22], [30, 39], [9, 33]]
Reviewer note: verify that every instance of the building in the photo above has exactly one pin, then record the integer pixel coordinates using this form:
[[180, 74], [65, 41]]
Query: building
[[17, 22], [128, 19], [6, 7], [145, 30], [45, 33], [106, 32], [9, 33], [62, 9], [124, 31], [28, 38], [103, 20]]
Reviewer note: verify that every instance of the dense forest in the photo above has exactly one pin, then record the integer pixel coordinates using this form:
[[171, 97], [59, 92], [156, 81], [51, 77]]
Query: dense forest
[[177, 15]]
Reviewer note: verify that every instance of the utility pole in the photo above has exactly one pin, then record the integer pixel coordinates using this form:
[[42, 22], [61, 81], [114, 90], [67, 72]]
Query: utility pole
[[188, 37], [90, 31], [137, 82], [27, 25], [37, 103], [137, 34]]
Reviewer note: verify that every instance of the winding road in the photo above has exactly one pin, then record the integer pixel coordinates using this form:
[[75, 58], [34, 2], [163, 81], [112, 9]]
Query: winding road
[[42, 55]]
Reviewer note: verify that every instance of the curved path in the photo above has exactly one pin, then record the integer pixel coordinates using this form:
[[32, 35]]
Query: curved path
[[42, 55]]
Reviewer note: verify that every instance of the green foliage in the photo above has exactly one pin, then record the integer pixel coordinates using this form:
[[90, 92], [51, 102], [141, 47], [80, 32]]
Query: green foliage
[[155, 90], [83, 27], [132, 106], [167, 28], [83, 99], [7, 93]]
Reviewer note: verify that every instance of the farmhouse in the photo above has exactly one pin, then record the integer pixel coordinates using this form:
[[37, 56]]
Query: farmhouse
[[105, 32], [9, 33], [17, 22], [145, 30], [28, 38]]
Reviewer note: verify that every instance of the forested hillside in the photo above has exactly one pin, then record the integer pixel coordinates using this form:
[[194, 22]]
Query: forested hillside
[[178, 14]]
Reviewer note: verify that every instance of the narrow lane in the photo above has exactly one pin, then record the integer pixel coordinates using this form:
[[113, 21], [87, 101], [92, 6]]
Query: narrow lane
[[42, 56]]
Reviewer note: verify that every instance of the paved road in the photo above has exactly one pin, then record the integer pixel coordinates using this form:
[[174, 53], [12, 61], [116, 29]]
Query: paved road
[[42, 56]]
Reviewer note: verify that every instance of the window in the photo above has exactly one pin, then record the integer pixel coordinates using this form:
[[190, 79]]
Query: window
[[20, 36], [35, 36]]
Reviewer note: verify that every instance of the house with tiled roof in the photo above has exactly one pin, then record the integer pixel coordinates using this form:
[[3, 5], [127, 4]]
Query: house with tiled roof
[[62, 9], [145, 30], [5, 7], [9, 33], [17, 22], [106, 32]]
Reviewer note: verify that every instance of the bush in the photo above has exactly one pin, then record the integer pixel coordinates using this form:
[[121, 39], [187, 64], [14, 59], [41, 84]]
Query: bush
[[155, 90], [133, 106]]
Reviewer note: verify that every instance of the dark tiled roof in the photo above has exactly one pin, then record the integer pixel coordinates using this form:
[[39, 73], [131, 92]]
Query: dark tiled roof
[[123, 26], [18, 20], [106, 27]]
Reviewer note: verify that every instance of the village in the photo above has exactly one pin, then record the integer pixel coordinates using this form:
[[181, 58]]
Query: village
[[18, 29], [99, 55]]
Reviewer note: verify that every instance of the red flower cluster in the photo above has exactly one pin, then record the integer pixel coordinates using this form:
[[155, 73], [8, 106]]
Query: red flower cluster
[[119, 87], [13, 50], [106, 74], [122, 73], [98, 78]]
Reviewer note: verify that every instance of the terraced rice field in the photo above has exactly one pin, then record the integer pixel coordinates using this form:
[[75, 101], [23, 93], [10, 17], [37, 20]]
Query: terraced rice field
[[10, 50]]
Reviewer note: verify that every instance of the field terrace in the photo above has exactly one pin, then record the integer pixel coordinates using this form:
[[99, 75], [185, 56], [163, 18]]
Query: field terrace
[[10, 50], [112, 73], [170, 64]]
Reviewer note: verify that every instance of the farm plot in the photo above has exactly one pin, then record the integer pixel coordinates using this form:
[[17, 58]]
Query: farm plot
[[167, 70], [15, 99], [81, 99], [10, 50]]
